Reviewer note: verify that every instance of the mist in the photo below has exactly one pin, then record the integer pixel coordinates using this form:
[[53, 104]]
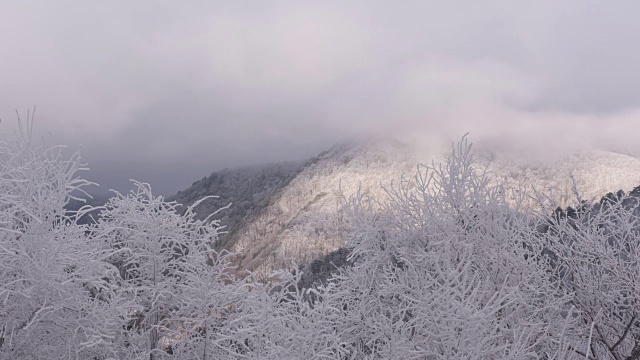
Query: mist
[[168, 93]]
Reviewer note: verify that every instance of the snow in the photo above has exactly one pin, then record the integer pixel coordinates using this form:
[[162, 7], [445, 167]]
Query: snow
[[442, 263], [302, 221]]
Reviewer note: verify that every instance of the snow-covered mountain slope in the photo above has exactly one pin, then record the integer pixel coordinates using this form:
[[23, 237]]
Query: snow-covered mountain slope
[[302, 222], [595, 173], [298, 217], [247, 189]]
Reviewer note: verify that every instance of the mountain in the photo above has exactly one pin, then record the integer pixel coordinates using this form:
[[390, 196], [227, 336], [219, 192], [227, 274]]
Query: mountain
[[291, 213], [595, 173], [247, 189], [304, 219]]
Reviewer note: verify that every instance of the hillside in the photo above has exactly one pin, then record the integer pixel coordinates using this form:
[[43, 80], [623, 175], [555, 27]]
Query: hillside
[[595, 172], [292, 214], [247, 189], [303, 221]]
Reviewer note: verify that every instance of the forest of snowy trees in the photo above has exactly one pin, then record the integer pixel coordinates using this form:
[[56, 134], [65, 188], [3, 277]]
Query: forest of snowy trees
[[453, 266]]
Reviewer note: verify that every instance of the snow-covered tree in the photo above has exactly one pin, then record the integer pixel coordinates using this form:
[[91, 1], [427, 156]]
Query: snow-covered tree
[[452, 265], [447, 270], [596, 252], [159, 254], [57, 298], [208, 324]]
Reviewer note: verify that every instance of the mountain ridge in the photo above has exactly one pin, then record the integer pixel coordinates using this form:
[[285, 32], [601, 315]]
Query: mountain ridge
[[299, 218]]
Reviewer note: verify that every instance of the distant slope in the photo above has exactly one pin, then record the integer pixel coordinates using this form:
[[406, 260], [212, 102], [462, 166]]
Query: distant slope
[[292, 214], [595, 172], [303, 221], [248, 189]]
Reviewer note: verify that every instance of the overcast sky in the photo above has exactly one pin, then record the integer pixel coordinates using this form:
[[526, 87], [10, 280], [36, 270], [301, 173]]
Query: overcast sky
[[169, 91]]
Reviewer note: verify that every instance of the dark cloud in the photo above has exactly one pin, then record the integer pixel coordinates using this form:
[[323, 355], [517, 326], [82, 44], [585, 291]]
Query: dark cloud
[[166, 93]]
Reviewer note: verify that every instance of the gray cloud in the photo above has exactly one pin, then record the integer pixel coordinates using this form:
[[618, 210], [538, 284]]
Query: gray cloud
[[166, 93]]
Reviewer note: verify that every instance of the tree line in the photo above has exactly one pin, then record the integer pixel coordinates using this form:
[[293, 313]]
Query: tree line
[[452, 265]]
